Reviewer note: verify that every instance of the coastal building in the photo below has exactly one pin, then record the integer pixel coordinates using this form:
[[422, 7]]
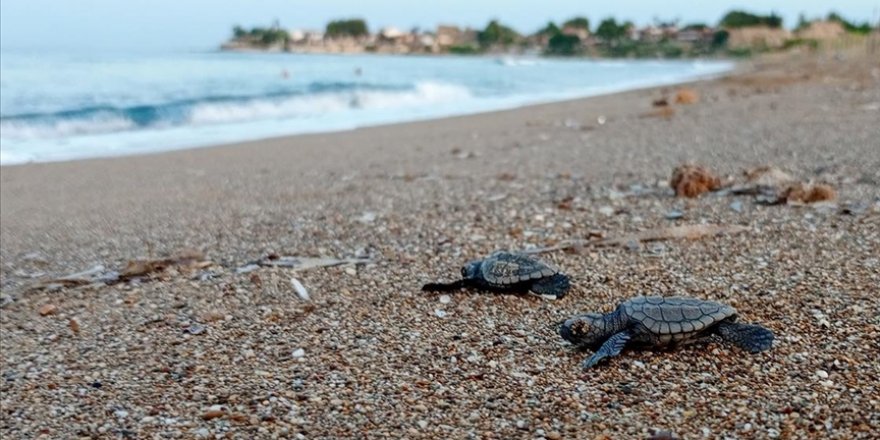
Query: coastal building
[[447, 36]]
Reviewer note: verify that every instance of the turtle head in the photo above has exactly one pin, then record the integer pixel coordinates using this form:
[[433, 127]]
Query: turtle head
[[471, 270], [588, 330]]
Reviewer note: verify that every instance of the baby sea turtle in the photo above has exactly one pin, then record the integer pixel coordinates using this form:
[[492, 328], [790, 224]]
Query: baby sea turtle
[[655, 321], [509, 272]]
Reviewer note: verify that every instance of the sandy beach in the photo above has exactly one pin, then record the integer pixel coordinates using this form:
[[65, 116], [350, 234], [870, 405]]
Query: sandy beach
[[218, 352]]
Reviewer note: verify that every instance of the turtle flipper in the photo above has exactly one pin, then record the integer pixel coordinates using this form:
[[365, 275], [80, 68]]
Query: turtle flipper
[[751, 338], [552, 287], [444, 287], [612, 347]]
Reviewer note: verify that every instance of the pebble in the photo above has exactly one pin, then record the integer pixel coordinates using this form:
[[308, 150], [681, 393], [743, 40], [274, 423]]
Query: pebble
[[674, 215], [440, 313], [822, 374], [606, 211], [196, 329], [298, 353], [48, 309], [423, 424], [445, 299], [736, 205]]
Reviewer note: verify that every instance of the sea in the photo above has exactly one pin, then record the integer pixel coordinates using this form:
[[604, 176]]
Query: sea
[[57, 106]]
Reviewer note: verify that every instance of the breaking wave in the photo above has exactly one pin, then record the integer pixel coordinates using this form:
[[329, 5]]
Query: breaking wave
[[314, 100]]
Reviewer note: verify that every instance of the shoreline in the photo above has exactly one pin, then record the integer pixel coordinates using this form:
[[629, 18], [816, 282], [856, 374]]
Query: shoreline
[[515, 102], [210, 349]]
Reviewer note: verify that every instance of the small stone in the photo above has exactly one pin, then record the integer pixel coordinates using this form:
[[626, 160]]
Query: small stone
[[120, 413], [423, 424], [202, 433], [822, 374], [298, 353], [606, 211], [440, 313], [445, 299], [74, 326], [554, 435], [48, 309], [212, 414], [737, 206], [674, 215], [367, 217]]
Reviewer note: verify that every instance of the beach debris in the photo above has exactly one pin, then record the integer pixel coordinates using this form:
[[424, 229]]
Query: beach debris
[[303, 263], [186, 261], [633, 241], [686, 96], [300, 290], [662, 102], [367, 217], [802, 194], [89, 276], [247, 268], [48, 309], [601, 120], [683, 232], [662, 112], [690, 180], [763, 180]]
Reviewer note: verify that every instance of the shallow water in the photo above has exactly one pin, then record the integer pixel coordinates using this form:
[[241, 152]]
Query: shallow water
[[59, 106]]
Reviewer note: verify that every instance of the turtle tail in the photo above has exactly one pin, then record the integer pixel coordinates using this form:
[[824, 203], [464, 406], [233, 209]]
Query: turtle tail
[[749, 337], [444, 287], [555, 286]]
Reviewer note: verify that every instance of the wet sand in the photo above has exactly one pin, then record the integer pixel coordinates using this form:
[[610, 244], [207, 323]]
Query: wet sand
[[371, 356]]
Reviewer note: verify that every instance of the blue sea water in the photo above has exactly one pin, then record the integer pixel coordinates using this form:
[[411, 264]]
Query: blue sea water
[[61, 106]]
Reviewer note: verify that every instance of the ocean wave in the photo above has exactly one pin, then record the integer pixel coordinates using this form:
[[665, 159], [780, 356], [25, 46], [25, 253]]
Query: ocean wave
[[313, 100]]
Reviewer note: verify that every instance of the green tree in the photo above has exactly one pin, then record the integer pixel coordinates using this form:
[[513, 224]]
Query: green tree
[[550, 30], [238, 31], [578, 23], [609, 30], [347, 28], [562, 44], [863, 28], [719, 39], [695, 27], [497, 34], [738, 19]]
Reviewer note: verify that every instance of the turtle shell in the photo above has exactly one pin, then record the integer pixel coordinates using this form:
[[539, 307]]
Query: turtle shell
[[677, 316], [504, 269]]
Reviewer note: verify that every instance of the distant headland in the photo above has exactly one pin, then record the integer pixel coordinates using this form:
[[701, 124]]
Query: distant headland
[[738, 33]]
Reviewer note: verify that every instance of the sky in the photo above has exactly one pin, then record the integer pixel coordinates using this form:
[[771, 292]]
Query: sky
[[204, 24]]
